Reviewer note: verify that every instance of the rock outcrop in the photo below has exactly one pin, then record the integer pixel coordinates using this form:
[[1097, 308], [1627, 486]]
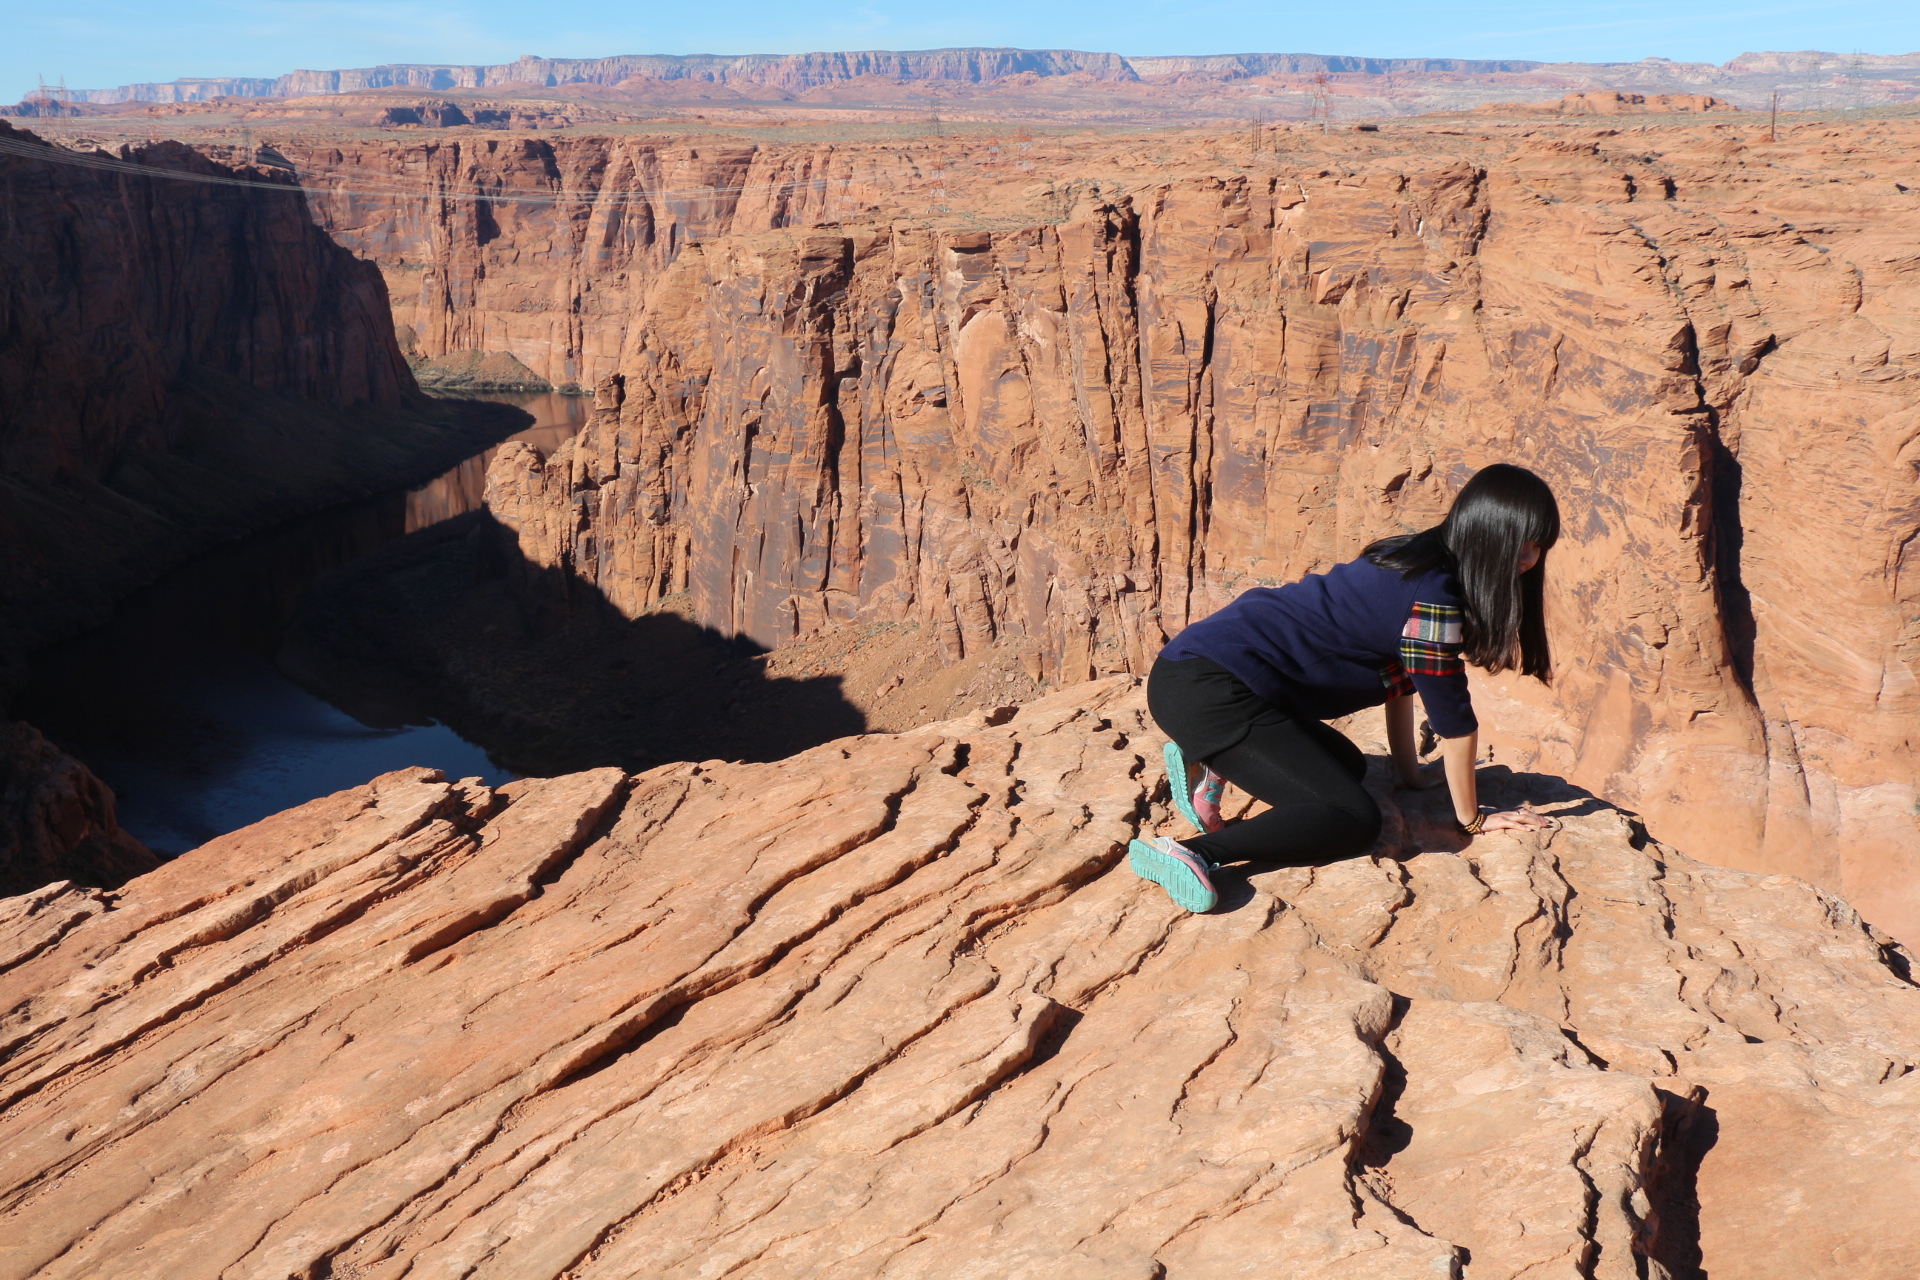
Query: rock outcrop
[[57, 821], [894, 1008], [473, 371], [1139, 392], [1612, 103]]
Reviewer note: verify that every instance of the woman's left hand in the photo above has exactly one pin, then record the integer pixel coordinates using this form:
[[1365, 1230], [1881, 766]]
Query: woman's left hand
[[1516, 820]]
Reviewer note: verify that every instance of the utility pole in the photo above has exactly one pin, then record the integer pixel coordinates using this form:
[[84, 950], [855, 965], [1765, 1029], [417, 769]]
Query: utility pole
[[1773, 120]]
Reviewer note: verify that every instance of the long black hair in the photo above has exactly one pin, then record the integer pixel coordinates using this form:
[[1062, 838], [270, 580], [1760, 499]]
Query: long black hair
[[1480, 542]]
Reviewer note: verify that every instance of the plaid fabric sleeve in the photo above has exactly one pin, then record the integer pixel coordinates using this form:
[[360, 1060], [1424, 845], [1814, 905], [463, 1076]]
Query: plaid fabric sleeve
[[1399, 684], [1430, 642]]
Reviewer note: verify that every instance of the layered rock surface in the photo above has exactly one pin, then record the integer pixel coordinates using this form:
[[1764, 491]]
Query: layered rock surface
[[1070, 399], [893, 1007]]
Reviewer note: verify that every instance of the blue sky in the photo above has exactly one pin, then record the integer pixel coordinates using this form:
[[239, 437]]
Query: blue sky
[[102, 43]]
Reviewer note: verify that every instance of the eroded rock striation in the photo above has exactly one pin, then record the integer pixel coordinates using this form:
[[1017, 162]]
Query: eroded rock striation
[[893, 1007], [1140, 380]]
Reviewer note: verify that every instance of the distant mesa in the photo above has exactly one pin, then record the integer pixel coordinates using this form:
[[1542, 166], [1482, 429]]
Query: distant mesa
[[1058, 84], [794, 71]]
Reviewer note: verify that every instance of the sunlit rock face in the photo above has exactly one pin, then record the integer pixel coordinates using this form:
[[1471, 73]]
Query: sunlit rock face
[[1111, 386], [896, 1007]]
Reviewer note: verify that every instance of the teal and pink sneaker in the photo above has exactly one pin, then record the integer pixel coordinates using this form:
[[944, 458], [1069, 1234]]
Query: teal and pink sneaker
[[1198, 802], [1175, 868]]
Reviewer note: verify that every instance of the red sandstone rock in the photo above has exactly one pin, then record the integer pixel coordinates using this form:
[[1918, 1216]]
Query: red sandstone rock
[[893, 1007], [161, 280]]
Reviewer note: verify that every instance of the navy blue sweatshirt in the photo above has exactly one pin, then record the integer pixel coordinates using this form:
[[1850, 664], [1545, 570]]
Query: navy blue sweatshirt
[[1335, 642]]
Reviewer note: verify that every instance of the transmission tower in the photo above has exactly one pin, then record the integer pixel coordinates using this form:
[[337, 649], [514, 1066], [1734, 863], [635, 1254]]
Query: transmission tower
[[1322, 101]]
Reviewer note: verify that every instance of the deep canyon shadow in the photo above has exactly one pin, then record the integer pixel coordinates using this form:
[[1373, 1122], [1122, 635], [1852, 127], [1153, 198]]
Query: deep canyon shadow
[[535, 664]]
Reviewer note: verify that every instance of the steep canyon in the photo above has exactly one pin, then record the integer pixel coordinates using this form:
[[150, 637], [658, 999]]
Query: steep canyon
[[949, 436], [1076, 393], [184, 359]]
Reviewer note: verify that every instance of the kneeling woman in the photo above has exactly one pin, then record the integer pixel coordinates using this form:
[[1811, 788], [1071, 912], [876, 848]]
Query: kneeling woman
[[1243, 693]]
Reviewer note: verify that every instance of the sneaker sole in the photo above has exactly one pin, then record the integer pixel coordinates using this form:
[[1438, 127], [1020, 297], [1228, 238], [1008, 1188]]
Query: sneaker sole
[[1176, 877], [1178, 784]]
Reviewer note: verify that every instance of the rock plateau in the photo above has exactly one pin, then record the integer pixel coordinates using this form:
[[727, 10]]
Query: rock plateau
[[1038, 85], [893, 1007]]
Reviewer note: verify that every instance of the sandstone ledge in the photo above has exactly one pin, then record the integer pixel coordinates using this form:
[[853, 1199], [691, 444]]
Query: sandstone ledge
[[894, 1007]]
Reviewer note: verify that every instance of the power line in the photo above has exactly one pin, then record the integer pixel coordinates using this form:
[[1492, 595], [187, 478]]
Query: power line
[[95, 160]]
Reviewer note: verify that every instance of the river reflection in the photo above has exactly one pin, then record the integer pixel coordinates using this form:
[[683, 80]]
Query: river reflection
[[557, 418], [176, 703]]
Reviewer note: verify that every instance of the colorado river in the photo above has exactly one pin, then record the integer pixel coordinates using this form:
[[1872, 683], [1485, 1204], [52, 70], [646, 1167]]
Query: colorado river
[[177, 705]]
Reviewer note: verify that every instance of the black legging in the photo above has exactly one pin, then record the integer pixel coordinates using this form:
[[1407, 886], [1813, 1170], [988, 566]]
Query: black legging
[[1306, 770]]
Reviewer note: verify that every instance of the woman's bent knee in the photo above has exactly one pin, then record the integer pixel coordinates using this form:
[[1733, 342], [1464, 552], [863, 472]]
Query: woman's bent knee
[[1366, 822]]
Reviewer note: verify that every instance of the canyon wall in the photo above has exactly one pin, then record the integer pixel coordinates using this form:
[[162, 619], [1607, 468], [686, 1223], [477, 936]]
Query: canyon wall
[[184, 363], [544, 249], [119, 285], [1086, 413]]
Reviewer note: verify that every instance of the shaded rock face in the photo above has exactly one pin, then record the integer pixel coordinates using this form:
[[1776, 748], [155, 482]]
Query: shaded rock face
[[1092, 429], [893, 1007], [184, 363], [119, 286], [57, 820]]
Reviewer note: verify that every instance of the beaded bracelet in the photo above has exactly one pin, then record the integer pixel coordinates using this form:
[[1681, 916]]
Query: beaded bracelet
[[1471, 828]]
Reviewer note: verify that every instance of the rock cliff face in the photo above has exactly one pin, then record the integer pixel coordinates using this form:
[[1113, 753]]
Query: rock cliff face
[[119, 285], [181, 364], [893, 1008], [1099, 415]]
